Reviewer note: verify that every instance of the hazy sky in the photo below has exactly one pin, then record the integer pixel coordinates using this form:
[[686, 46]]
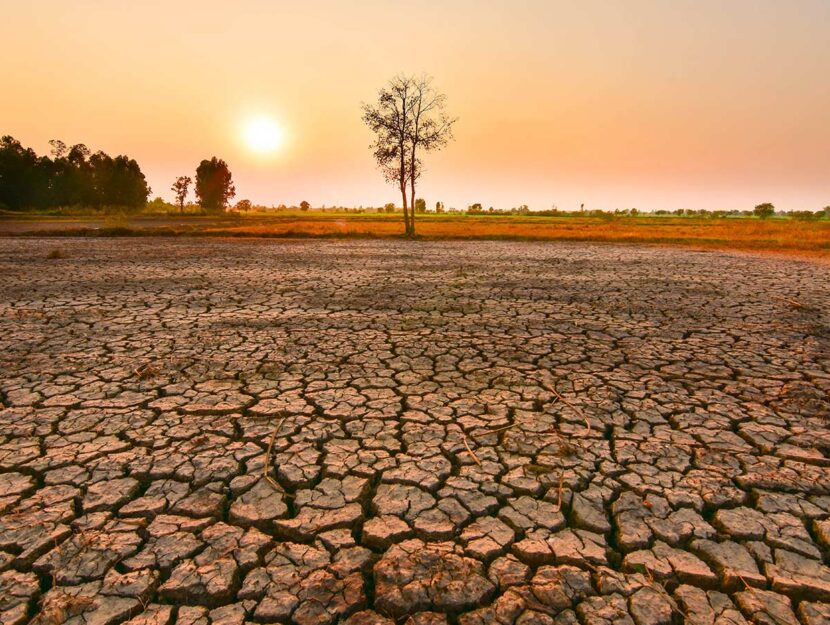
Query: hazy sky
[[617, 104]]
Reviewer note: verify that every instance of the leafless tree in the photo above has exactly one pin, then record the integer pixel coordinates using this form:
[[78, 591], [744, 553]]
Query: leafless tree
[[408, 119], [431, 129]]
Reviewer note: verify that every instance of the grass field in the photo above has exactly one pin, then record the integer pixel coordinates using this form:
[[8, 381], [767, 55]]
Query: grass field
[[810, 238]]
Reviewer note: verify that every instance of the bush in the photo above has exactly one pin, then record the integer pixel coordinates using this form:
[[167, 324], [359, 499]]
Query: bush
[[764, 210], [804, 215]]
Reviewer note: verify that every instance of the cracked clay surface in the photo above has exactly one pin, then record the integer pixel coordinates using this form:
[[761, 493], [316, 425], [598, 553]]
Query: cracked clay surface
[[215, 432]]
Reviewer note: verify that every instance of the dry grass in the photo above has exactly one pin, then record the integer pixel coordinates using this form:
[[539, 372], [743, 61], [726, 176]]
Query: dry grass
[[784, 236], [741, 234]]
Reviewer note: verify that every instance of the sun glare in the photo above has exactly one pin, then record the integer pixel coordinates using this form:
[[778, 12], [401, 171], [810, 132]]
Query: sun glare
[[263, 135]]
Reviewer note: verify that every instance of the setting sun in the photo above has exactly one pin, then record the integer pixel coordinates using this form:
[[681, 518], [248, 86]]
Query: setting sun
[[263, 135]]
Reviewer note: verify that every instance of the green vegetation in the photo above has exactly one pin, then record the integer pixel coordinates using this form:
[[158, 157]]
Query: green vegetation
[[72, 177], [214, 184], [764, 210]]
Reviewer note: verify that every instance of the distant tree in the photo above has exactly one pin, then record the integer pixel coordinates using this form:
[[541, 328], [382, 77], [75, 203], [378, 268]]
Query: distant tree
[[827, 212], [244, 205], [420, 205], [389, 207], [764, 210], [407, 119], [804, 215], [439, 207], [116, 181], [214, 184], [180, 188], [77, 187], [18, 174], [59, 148], [73, 177], [304, 206]]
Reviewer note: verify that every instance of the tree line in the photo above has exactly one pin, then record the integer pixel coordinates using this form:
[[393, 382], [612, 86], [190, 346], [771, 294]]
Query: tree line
[[70, 176], [75, 176]]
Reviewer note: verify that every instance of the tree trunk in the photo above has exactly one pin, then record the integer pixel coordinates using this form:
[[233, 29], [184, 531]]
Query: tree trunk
[[412, 198], [405, 211]]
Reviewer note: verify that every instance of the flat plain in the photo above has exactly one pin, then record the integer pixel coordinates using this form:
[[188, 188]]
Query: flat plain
[[776, 235], [203, 431]]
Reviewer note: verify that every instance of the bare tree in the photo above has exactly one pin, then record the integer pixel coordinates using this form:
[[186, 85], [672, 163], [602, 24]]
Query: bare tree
[[431, 129], [390, 120], [409, 117], [180, 188]]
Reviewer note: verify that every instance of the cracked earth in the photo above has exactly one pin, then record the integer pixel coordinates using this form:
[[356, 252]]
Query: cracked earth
[[213, 433]]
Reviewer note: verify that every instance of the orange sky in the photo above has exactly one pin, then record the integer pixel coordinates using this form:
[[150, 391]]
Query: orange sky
[[647, 104]]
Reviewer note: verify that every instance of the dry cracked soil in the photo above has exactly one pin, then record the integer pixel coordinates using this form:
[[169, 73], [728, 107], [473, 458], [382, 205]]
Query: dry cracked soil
[[214, 432]]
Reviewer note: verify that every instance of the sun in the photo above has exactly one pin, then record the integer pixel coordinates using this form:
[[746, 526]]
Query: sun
[[262, 135]]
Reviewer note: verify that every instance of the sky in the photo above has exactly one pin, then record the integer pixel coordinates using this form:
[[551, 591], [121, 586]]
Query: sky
[[648, 104]]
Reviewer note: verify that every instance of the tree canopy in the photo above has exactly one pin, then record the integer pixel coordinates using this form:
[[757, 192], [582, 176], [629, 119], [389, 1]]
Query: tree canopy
[[214, 184], [180, 187], [764, 210], [72, 177]]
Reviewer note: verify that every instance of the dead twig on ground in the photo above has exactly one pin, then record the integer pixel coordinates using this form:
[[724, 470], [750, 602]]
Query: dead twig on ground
[[267, 461], [508, 427], [794, 303], [496, 430], [575, 409], [559, 495], [747, 587], [471, 452], [145, 372], [552, 389]]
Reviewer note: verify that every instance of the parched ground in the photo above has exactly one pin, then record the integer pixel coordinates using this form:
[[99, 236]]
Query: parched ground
[[208, 432]]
